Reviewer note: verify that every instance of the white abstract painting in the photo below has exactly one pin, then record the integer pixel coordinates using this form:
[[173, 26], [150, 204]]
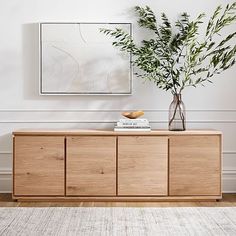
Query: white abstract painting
[[76, 58]]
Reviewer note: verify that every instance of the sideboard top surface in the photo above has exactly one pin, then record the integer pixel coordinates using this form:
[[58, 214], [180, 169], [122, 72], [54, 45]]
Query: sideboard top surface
[[111, 132]]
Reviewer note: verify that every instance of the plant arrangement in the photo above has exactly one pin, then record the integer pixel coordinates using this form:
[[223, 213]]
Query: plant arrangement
[[177, 56]]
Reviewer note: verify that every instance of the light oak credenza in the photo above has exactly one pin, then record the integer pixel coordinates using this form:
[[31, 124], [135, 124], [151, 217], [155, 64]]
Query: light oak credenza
[[116, 166]]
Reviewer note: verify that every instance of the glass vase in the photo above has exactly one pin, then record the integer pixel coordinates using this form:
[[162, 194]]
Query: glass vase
[[177, 117]]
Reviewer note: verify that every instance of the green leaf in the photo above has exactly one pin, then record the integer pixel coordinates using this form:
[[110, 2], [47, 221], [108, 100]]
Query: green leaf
[[175, 56]]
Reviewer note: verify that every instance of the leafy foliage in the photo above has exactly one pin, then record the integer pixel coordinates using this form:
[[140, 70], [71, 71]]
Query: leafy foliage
[[175, 57]]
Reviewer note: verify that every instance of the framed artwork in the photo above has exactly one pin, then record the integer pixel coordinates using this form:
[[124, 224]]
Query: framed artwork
[[76, 58]]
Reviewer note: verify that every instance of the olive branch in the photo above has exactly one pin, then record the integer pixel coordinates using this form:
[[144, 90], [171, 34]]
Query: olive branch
[[175, 57]]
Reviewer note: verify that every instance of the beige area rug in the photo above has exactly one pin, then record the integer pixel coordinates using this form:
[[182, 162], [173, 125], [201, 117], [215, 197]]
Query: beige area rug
[[117, 221]]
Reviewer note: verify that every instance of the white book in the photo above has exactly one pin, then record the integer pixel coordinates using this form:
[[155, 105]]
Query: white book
[[133, 120], [132, 129], [133, 124]]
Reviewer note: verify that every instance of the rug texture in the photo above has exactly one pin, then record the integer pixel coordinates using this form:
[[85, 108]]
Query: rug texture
[[117, 221]]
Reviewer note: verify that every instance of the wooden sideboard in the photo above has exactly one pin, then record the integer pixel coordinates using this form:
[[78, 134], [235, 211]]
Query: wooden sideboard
[[116, 166]]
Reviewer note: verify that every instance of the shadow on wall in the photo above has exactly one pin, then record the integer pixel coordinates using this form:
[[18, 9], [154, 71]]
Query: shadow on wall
[[6, 142], [30, 60]]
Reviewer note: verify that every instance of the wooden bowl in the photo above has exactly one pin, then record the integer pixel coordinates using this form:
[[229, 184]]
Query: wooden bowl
[[132, 114]]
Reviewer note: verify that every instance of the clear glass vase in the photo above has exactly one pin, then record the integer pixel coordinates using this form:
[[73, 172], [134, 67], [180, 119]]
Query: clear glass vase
[[177, 117]]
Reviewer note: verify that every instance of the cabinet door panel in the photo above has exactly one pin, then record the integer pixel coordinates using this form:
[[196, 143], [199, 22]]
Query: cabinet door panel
[[38, 165], [195, 165], [142, 165], [91, 165]]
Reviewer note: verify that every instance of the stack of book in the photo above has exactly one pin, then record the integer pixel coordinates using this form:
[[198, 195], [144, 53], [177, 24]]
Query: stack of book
[[132, 125]]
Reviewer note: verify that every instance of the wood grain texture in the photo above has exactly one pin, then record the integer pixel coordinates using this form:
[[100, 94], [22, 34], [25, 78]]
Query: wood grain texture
[[142, 165], [121, 198], [111, 132], [91, 166], [195, 165], [98, 167], [228, 200], [39, 165]]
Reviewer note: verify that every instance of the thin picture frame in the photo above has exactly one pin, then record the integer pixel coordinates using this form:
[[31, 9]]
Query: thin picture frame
[[41, 92]]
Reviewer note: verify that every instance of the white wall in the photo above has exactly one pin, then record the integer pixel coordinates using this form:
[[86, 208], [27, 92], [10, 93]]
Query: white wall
[[21, 106]]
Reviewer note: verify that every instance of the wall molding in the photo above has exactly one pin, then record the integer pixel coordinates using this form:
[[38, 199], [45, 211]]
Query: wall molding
[[5, 152], [7, 171], [111, 110], [108, 121], [229, 172], [229, 152]]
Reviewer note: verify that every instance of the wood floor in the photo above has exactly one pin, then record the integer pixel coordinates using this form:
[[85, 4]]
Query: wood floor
[[229, 200]]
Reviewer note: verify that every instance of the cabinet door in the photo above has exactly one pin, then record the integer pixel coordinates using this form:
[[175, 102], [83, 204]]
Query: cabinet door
[[38, 165], [142, 165], [195, 165], [91, 166]]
